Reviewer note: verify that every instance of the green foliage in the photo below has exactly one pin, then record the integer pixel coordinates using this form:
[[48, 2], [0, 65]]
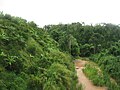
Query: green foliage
[[10, 81], [115, 49], [86, 50], [99, 77], [33, 58], [110, 64], [100, 42], [93, 38], [29, 56], [32, 50], [34, 83], [94, 74], [56, 79]]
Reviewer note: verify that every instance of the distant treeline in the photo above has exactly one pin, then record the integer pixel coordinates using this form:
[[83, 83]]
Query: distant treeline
[[101, 43]]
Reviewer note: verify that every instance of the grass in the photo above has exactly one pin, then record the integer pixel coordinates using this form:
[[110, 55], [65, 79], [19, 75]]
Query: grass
[[94, 74], [98, 77]]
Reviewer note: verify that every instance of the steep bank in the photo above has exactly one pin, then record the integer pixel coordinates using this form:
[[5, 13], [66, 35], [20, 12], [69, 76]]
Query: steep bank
[[30, 59]]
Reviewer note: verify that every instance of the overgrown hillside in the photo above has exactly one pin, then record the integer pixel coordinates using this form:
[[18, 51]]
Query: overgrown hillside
[[30, 59], [101, 43], [33, 58]]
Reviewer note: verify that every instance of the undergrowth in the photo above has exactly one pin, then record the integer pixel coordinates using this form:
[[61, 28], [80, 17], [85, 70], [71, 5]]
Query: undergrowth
[[98, 77]]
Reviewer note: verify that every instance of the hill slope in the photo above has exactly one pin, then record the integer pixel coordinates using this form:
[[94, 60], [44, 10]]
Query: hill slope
[[30, 59]]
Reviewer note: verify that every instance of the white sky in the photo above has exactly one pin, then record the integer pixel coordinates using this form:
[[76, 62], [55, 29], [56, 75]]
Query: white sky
[[44, 12]]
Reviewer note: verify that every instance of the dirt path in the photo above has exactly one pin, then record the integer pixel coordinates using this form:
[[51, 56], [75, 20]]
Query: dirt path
[[86, 83]]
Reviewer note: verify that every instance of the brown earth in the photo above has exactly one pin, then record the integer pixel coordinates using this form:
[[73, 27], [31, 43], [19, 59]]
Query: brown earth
[[82, 79]]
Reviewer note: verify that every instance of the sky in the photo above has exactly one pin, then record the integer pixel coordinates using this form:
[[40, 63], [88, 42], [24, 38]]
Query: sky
[[44, 12]]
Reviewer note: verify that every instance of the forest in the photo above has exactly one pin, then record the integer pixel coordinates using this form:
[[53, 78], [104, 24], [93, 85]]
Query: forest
[[100, 43], [34, 58]]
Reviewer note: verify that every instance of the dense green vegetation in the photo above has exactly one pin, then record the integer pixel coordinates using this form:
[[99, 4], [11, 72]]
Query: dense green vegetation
[[33, 58], [100, 43], [99, 78], [30, 59]]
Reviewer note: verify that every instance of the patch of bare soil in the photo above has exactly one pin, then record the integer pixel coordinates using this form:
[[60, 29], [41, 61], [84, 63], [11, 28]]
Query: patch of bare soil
[[82, 79]]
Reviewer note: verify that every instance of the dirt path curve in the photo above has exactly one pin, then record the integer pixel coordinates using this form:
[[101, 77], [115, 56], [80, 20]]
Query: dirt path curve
[[82, 79]]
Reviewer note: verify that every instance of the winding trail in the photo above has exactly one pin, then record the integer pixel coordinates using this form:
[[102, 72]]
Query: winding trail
[[82, 79]]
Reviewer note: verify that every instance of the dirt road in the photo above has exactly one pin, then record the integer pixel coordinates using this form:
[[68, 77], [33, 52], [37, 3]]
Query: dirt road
[[82, 79]]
